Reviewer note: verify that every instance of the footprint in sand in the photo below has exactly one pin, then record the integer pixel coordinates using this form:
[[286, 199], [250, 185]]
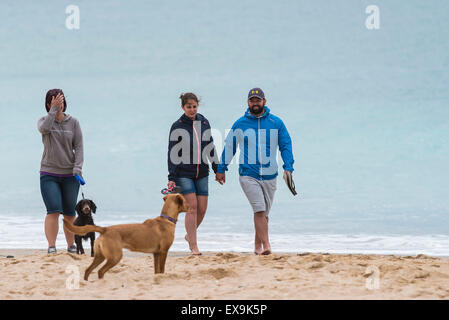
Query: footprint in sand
[[334, 269], [420, 293], [227, 255], [422, 275], [318, 265], [140, 286], [362, 264], [157, 279], [75, 257], [219, 273], [14, 292], [45, 265], [116, 270], [50, 259]]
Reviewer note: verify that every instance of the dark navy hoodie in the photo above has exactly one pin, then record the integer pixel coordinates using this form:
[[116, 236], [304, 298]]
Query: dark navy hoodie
[[191, 148]]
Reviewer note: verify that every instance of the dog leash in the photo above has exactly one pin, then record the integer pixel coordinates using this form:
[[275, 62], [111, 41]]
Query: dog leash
[[167, 190], [172, 189], [82, 183]]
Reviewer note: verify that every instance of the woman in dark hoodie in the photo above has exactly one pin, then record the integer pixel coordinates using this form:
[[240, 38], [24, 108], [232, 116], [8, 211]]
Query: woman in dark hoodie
[[190, 149]]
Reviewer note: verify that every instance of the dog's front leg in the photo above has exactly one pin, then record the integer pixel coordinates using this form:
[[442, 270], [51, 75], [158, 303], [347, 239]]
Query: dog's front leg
[[92, 241], [156, 262], [79, 245], [162, 258]]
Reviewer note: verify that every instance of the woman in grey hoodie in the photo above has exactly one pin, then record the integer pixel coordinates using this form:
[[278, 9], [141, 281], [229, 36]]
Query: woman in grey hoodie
[[61, 161]]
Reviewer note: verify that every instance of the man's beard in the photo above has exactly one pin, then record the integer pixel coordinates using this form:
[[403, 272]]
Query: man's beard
[[257, 111]]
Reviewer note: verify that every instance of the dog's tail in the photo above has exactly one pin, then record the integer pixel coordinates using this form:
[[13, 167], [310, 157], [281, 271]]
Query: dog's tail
[[82, 230]]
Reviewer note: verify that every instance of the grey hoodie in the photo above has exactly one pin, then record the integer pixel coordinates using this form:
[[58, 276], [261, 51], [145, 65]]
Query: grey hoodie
[[63, 144]]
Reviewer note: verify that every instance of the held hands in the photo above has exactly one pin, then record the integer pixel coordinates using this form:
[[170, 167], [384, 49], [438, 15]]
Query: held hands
[[220, 178]]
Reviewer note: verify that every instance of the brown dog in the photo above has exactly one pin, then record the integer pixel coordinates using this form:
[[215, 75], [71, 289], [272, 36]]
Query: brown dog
[[152, 236]]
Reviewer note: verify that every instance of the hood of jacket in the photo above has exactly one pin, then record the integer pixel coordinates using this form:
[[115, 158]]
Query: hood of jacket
[[66, 118]]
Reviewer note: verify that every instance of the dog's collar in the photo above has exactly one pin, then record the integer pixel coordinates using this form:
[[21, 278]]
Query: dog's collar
[[169, 218]]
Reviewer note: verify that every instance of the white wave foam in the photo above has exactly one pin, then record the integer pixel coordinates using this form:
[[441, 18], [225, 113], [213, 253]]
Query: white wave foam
[[27, 232]]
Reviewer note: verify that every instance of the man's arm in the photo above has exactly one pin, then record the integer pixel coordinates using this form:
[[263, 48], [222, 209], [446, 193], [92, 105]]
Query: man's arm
[[228, 153], [285, 147], [229, 150]]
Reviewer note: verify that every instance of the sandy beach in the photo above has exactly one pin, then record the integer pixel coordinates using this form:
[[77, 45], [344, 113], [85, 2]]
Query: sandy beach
[[32, 274]]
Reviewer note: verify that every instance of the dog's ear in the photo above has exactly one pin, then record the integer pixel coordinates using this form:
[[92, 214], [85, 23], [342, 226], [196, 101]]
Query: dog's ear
[[179, 200], [93, 206], [165, 198], [78, 206]]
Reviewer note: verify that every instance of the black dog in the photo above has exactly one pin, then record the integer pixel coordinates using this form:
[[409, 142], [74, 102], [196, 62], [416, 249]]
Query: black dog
[[85, 208]]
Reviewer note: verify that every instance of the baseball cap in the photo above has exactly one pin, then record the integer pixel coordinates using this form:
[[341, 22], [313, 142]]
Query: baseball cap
[[256, 92]]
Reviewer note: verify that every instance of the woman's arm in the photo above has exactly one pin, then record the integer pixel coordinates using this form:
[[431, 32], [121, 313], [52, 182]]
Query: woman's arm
[[45, 123], [214, 158], [171, 165], [78, 148], [211, 151]]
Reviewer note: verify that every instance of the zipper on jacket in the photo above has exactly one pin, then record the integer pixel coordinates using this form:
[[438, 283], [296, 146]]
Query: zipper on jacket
[[198, 142], [260, 150]]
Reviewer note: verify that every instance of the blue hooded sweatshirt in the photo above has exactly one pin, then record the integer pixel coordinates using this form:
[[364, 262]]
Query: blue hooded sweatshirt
[[258, 139]]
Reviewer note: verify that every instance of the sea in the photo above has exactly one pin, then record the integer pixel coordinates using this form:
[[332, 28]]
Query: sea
[[362, 87]]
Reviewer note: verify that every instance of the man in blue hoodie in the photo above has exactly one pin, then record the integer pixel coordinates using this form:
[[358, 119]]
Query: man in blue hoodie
[[258, 134]]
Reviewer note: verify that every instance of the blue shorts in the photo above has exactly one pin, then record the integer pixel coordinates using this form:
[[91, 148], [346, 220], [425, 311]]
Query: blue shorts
[[60, 194], [198, 186]]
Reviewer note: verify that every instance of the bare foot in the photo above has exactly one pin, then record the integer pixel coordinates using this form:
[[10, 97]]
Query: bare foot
[[195, 251], [258, 248], [266, 252]]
